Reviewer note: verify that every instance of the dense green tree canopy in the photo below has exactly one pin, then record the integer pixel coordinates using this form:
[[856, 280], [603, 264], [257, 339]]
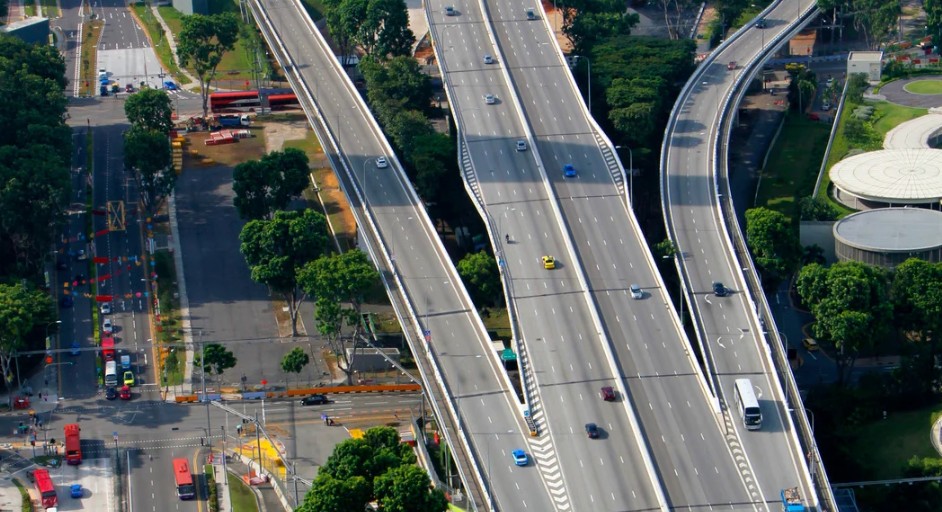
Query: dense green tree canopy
[[215, 359], [399, 78], [265, 186], [277, 249], [773, 242], [150, 109], [21, 310], [202, 42], [147, 153], [329, 494], [407, 489], [480, 274]]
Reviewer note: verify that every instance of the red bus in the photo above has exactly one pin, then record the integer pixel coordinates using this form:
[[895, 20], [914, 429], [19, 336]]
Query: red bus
[[45, 487], [235, 101], [184, 479], [107, 348], [73, 444], [283, 101]]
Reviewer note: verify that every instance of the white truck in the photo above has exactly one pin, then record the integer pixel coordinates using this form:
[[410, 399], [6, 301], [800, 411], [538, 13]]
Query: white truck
[[111, 374]]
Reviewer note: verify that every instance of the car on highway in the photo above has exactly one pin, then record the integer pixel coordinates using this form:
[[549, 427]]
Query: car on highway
[[66, 301], [719, 289], [128, 378], [569, 171], [521, 145], [490, 99], [450, 10], [488, 59], [732, 65], [107, 327], [314, 400], [636, 292], [549, 262], [105, 308], [592, 430], [382, 163], [607, 393], [520, 457], [125, 393], [760, 23], [531, 14], [811, 344], [111, 393]]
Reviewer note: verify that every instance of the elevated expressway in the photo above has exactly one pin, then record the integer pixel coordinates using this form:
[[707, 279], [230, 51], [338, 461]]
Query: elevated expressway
[[737, 332], [473, 400], [571, 326]]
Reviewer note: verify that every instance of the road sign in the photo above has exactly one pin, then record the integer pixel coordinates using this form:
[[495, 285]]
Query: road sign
[[115, 434]]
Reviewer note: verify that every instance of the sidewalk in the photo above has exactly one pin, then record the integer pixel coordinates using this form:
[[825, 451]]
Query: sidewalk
[[265, 495], [194, 82]]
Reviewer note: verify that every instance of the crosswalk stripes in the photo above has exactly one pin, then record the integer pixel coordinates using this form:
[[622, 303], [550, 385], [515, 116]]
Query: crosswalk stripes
[[470, 177], [541, 447]]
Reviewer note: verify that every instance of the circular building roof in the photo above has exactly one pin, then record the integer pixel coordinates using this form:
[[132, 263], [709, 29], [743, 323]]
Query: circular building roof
[[916, 133], [891, 230], [898, 176]]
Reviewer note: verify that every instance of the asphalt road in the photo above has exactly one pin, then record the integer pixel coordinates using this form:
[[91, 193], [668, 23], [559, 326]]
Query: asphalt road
[[486, 404], [555, 317], [727, 324]]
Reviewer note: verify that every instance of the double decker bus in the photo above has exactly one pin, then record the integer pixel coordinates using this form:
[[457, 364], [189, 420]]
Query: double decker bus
[[235, 101], [73, 444], [46, 489], [183, 479], [283, 101], [748, 404]]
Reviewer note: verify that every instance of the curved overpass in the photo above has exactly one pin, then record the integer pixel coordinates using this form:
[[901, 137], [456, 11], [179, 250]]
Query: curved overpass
[[737, 332]]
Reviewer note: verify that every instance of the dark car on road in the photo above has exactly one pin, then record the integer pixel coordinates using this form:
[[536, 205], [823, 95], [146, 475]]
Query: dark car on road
[[315, 400], [111, 393], [592, 430], [608, 394], [720, 290]]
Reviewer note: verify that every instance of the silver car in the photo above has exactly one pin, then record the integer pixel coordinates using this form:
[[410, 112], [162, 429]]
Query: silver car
[[521, 145], [490, 99], [488, 59], [636, 292], [381, 163]]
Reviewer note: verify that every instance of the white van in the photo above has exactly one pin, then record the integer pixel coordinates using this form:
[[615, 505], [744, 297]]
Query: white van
[[111, 374]]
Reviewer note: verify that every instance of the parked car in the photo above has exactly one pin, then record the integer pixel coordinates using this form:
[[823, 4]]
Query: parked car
[[129, 378], [111, 393], [125, 393], [107, 327]]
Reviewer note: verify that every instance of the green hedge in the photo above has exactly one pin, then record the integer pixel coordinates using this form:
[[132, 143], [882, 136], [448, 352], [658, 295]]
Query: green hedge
[[213, 498]]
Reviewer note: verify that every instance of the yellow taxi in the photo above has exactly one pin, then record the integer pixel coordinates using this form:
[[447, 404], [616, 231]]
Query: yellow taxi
[[549, 263]]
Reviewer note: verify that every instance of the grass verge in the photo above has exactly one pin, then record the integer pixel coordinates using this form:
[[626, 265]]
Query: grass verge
[[924, 87], [158, 40], [170, 324], [883, 447], [241, 496], [91, 31], [212, 499], [26, 502], [793, 165], [497, 322]]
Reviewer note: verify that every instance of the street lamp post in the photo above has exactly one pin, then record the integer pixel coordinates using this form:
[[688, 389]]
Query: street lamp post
[[631, 174]]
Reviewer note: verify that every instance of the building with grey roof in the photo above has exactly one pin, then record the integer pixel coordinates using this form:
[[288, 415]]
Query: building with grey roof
[[887, 237]]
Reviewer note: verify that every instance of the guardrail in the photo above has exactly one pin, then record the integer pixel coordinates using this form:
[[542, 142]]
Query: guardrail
[[756, 297], [395, 290]]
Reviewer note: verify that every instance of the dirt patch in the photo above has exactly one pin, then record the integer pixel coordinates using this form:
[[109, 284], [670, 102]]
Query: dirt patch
[[283, 319], [198, 153], [288, 128], [555, 17], [336, 206]]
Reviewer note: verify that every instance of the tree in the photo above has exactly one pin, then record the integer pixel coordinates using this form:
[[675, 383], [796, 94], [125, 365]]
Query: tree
[[214, 359], [399, 78], [816, 209], [336, 280], [148, 154], [277, 249], [385, 30], [344, 18], [585, 22], [329, 494], [773, 243], [408, 489], [295, 361], [202, 42], [268, 185], [480, 274], [150, 109], [21, 309], [674, 12], [917, 300]]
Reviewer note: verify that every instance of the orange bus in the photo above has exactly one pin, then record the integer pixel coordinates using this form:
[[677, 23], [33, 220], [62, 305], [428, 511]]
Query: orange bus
[[46, 489], [183, 479], [73, 444]]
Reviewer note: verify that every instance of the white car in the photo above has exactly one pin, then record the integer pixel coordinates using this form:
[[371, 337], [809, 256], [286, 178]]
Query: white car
[[488, 59], [521, 145], [106, 308], [381, 163], [636, 292], [490, 99], [107, 327]]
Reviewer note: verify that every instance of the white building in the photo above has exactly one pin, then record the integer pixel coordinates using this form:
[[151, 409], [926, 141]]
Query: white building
[[868, 63]]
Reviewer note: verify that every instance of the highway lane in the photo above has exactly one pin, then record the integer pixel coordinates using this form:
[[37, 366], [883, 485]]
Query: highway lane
[[694, 462], [150, 479], [727, 324], [554, 318], [485, 402]]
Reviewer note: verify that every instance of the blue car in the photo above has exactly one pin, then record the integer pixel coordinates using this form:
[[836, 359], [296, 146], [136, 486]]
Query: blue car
[[569, 171], [520, 457], [170, 86], [75, 490]]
